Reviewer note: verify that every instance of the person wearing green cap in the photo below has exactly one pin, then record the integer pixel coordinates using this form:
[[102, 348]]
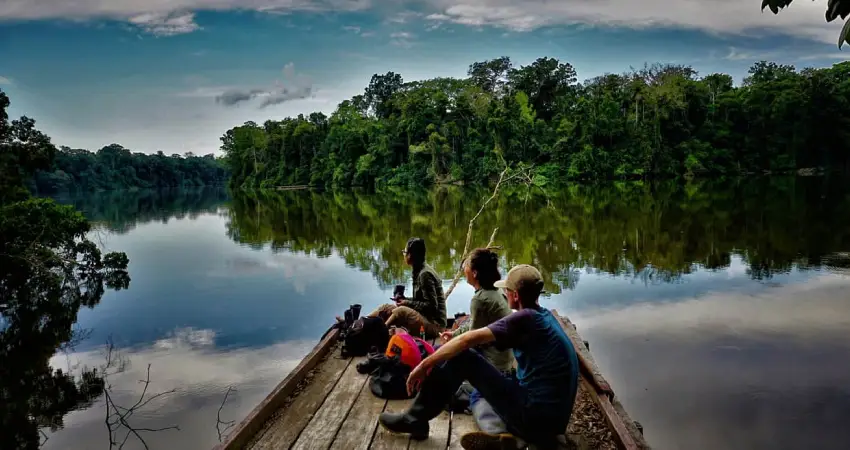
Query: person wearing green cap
[[535, 406]]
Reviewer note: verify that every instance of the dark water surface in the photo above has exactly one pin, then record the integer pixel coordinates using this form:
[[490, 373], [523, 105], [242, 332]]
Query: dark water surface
[[720, 312]]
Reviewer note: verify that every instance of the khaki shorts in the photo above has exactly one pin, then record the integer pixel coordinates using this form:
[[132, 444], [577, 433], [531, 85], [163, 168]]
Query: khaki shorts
[[408, 318]]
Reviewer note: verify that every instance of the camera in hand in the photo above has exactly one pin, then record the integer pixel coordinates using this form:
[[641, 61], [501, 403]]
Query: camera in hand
[[398, 292]]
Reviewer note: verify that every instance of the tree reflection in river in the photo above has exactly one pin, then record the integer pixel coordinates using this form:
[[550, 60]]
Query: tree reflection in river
[[652, 232]]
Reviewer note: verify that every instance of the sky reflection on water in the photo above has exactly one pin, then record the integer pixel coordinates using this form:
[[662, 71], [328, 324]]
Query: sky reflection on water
[[704, 358]]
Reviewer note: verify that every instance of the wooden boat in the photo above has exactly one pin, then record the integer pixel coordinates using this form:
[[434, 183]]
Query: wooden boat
[[324, 403]]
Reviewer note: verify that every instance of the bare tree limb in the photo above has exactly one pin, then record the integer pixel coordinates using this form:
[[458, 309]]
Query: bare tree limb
[[229, 423], [527, 177], [117, 417]]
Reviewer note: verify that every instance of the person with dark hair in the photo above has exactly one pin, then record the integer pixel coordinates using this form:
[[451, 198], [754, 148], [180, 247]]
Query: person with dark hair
[[488, 305], [535, 406], [427, 307]]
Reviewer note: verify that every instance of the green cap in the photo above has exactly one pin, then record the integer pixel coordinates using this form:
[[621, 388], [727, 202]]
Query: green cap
[[523, 278]]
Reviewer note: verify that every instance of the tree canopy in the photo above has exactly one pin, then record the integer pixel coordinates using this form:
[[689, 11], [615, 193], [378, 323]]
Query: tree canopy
[[115, 167], [659, 121], [49, 269]]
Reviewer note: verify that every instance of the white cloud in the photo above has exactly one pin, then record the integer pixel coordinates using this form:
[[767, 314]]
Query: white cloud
[[802, 18], [166, 24], [168, 17], [402, 39], [4, 80], [296, 87], [836, 56], [403, 17], [188, 362], [773, 311], [161, 17], [745, 55], [358, 31]]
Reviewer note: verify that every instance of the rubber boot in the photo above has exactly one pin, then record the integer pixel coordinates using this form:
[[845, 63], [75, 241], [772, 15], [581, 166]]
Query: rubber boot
[[429, 403]]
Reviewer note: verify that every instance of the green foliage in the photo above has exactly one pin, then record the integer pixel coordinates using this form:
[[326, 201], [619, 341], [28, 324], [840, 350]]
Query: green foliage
[[651, 231], [48, 271], [660, 121], [114, 167]]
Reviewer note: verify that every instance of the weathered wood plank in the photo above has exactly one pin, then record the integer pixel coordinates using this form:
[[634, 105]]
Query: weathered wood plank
[[587, 364], [285, 428], [323, 427], [438, 438], [622, 436], [460, 425], [384, 440], [359, 426], [254, 421]]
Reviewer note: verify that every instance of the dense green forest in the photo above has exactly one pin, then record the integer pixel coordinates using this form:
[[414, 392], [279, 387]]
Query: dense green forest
[[49, 270], [115, 167], [656, 122]]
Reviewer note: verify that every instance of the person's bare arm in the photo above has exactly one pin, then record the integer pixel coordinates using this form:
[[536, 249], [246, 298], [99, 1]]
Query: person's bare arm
[[447, 352]]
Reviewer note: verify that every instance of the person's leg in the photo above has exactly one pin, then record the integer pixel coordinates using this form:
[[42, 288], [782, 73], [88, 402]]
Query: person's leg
[[384, 311], [444, 380], [409, 318]]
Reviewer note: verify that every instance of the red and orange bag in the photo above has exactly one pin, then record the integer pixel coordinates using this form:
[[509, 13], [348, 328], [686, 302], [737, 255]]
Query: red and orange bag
[[409, 350]]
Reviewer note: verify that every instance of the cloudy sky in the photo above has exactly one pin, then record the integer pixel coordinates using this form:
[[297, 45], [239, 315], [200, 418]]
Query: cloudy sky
[[173, 75]]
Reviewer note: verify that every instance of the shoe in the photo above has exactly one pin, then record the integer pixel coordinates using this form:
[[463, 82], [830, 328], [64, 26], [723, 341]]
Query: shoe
[[479, 440], [403, 423]]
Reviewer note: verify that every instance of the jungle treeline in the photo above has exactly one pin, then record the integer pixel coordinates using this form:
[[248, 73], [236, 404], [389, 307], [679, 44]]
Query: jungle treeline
[[659, 121]]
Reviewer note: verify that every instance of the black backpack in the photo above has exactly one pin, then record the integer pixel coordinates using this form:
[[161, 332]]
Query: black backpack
[[364, 333], [387, 376]]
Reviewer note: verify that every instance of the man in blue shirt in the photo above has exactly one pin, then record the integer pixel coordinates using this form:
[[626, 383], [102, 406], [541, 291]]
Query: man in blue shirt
[[536, 406]]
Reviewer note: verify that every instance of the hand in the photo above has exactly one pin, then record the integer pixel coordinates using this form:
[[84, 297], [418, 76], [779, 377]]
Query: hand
[[446, 336], [416, 377]]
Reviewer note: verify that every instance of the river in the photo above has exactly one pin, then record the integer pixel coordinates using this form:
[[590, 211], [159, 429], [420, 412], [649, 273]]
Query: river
[[718, 311]]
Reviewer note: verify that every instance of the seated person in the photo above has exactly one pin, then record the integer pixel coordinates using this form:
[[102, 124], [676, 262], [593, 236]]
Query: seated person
[[535, 406], [427, 307], [488, 305]]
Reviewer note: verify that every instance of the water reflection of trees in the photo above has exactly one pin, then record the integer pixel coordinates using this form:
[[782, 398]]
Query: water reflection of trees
[[121, 211], [653, 232]]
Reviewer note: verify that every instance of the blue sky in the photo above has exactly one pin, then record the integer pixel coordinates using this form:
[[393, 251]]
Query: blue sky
[[164, 74]]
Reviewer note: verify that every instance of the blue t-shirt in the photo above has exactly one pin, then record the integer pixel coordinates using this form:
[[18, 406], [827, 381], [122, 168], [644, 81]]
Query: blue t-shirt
[[547, 365]]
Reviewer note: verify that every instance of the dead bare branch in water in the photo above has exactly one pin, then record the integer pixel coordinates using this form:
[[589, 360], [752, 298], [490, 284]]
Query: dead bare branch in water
[[117, 416], [526, 175], [228, 424]]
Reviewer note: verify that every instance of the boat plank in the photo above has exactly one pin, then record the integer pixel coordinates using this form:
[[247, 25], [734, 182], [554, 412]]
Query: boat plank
[[358, 428], [438, 438], [384, 440], [253, 423], [283, 430], [460, 425], [621, 434], [325, 424]]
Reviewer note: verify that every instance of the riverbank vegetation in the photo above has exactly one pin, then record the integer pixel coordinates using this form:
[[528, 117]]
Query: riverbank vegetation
[[659, 121], [49, 270], [115, 167]]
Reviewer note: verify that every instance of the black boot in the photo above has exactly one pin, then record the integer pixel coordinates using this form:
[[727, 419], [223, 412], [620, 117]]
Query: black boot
[[435, 392], [406, 424]]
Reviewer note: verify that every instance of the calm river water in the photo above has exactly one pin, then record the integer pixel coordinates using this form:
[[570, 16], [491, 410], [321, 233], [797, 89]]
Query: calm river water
[[720, 312]]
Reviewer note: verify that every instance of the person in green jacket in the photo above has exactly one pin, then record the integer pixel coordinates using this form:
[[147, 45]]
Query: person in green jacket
[[426, 309]]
